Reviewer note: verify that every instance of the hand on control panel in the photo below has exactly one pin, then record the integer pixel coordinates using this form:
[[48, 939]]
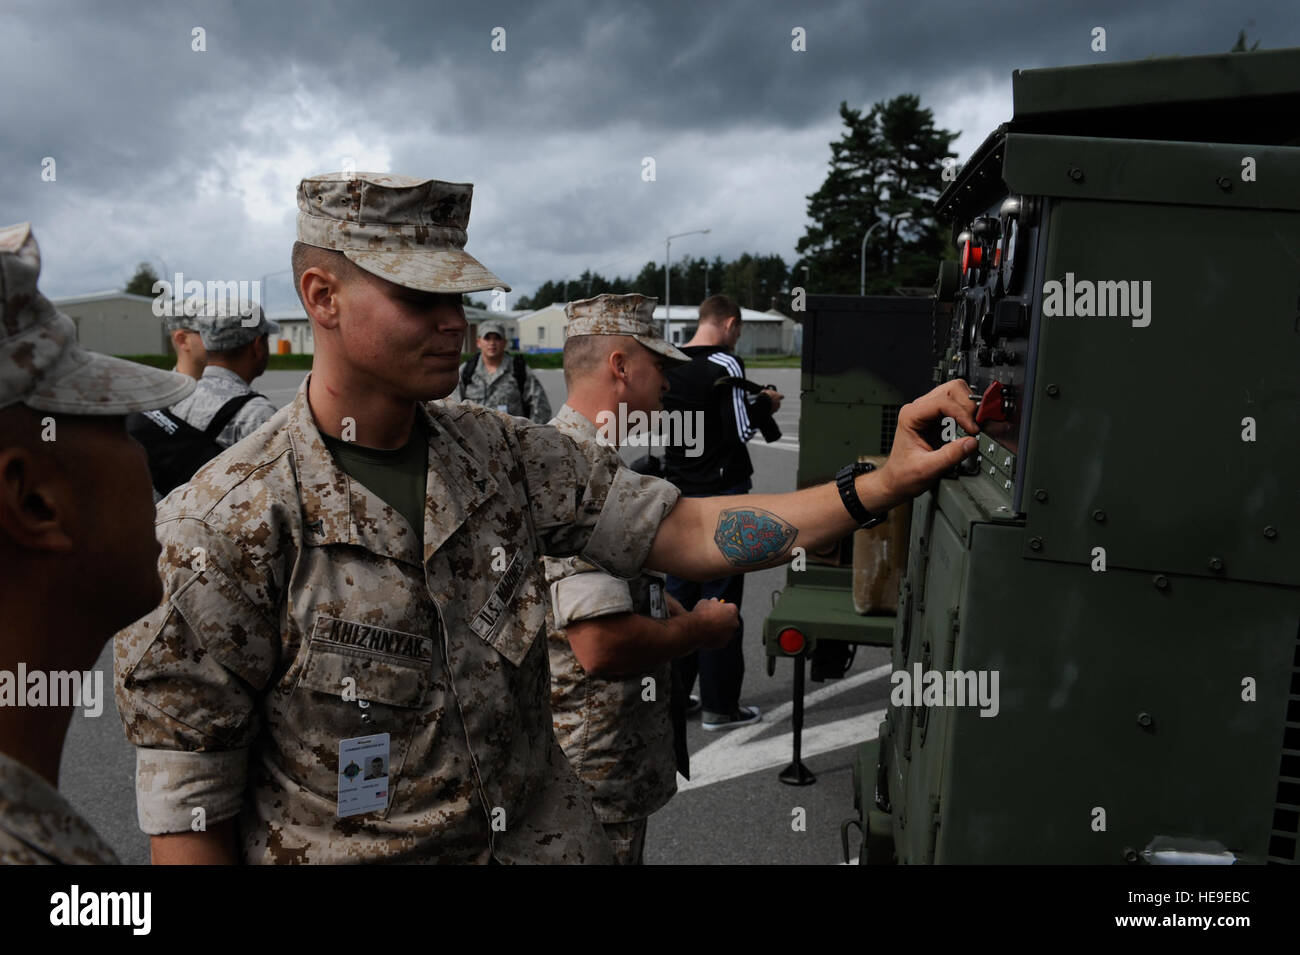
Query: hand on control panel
[[913, 464]]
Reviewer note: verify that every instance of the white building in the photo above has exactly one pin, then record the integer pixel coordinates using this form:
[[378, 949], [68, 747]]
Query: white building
[[761, 333], [295, 328], [116, 323]]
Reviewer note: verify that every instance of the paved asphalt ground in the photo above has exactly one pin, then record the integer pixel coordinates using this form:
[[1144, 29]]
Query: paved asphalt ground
[[734, 810]]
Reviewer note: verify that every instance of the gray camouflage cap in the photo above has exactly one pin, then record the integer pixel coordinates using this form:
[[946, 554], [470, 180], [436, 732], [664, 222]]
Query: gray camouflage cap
[[610, 314], [41, 364], [406, 230], [220, 332], [487, 328], [187, 318]]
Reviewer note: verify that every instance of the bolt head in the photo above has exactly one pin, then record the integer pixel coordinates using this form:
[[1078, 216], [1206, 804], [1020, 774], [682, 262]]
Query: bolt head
[[1270, 532], [1035, 543], [1099, 516], [1161, 582], [1040, 495], [1144, 719], [1053, 391], [1216, 564]]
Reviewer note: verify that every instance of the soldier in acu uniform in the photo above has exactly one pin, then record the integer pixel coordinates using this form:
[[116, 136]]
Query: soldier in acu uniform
[[612, 641], [76, 538], [361, 579], [237, 354], [494, 378]]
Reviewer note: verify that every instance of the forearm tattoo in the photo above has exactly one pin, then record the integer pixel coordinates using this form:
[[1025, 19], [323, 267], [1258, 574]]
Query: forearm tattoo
[[751, 536]]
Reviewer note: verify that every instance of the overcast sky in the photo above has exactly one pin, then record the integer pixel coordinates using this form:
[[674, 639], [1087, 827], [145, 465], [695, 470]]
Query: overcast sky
[[190, 159]]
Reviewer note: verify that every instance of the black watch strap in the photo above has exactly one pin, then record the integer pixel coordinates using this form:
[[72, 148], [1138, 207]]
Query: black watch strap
[[849, 494]]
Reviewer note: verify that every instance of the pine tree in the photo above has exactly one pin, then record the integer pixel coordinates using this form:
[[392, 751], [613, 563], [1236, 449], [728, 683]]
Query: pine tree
[[888, 161]]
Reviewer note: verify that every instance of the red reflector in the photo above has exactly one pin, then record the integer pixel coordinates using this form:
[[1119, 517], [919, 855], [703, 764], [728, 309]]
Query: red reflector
[[790, 640]]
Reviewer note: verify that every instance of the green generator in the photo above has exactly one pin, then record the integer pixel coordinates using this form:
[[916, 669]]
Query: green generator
[[1097, 652]]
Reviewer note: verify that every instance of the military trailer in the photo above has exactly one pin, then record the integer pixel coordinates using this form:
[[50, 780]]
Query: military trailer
[[864, 357], [1096, 653]]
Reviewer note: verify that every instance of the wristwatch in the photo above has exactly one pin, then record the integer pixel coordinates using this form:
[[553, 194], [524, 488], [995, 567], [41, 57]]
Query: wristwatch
[[849, 494]]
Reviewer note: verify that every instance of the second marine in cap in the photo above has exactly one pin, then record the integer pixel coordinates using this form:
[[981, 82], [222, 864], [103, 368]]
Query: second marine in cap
[[76, 541], [612, 641]]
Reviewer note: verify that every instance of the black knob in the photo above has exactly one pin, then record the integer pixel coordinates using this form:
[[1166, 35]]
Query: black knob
[[1009, 319], [982, 355]]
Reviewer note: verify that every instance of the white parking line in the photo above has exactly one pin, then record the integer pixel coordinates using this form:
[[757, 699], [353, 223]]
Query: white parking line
[[735, 755]]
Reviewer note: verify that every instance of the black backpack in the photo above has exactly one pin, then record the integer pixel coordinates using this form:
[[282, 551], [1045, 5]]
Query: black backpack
[[176, 448], [520, 371]]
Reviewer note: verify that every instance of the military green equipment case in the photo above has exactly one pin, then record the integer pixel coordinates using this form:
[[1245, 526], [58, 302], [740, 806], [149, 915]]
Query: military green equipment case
[[1123, 557], [863, 358]]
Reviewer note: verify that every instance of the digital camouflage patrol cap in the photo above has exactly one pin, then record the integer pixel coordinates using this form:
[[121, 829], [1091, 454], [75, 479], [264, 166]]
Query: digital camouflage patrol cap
[[187, 317], [41, 364], [620, 315], [489, 327], [406, 230], [221, 332]]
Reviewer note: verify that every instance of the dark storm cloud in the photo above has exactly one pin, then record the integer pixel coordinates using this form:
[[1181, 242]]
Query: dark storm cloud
[[190, 158]]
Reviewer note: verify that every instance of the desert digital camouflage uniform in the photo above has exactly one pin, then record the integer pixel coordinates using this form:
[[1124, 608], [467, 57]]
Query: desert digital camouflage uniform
[[38, 827], [233, 690], [43, 367], [620, 744], [499, 390]]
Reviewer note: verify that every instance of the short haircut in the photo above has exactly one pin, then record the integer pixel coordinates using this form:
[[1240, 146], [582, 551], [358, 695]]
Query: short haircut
[[583, 354], [310, 256], [718, 308], [233, 354]]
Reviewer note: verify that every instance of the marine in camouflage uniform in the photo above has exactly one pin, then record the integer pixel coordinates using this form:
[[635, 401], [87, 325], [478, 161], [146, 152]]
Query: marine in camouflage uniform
[[57, 399], [289, 586], [500, 389], [219, 384], [616, 733], [618, 730], [234, 690]]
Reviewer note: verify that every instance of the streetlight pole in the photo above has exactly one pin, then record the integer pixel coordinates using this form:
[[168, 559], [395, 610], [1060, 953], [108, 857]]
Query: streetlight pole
[[668, 280], [263, 285], [862, 257]]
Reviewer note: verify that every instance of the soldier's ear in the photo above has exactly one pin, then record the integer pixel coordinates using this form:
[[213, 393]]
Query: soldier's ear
[[35, 504], [320, 288], [618, 364]]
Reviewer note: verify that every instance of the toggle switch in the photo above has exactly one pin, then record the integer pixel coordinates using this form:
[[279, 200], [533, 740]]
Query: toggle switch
[[991, 407]]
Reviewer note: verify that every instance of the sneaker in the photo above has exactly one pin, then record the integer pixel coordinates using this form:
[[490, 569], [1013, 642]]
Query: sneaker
[[692, 705], [720, 721]]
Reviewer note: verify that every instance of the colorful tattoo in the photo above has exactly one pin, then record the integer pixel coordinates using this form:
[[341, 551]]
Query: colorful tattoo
[[751, 536]]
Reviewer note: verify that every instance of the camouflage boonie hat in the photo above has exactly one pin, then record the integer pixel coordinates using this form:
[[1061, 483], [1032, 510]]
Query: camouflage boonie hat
[[220, 332], [487, 328], [620, 315], [41, 364], [406, 230]]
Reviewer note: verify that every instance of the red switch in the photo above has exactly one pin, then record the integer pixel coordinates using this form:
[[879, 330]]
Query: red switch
[[991, 405]]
